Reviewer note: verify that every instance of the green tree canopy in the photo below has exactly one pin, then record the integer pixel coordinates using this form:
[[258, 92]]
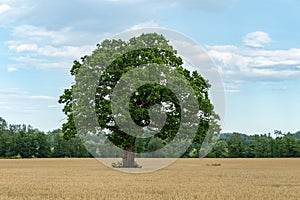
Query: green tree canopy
[[116, 60]]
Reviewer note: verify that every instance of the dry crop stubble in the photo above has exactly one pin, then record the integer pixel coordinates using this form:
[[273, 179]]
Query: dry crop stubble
[[185, 179]]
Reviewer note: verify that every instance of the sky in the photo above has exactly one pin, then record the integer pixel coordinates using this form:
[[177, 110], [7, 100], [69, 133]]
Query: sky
[[255, 46]]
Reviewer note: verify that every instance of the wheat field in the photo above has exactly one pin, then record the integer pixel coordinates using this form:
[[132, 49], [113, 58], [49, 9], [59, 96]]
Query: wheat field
[[184, 179]]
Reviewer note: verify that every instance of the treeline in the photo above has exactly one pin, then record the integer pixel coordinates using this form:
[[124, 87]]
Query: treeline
[[257, 146], [21, 141]]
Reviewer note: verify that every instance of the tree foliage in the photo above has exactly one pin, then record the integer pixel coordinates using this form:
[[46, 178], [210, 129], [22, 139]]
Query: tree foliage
[[114, 58], [21, 141], [259, 146]]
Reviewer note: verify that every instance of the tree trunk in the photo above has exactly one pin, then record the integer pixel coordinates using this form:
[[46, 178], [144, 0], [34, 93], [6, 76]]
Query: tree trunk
[[129, 155]]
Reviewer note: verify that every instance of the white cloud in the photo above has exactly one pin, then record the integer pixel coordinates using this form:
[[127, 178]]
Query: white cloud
[[231, 90], [91, 15], [35, 46], [65, 36], [72, 52], [19, 93], [41, 34], [257, 39], [60, 54], [150, 24], [4, 8], [244, 63], [18, 10], [232, 87], [43, 97], [124, 1], [204, 5], [12, 69], [19, 46], [40, 63]]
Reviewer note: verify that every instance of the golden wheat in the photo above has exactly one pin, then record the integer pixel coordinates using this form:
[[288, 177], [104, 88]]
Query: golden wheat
[[185, 179]]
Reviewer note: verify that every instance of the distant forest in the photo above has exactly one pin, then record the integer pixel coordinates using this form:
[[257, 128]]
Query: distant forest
[[22, 141], [236, 145]]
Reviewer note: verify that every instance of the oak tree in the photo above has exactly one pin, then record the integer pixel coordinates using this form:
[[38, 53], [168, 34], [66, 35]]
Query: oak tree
[[108, 64]]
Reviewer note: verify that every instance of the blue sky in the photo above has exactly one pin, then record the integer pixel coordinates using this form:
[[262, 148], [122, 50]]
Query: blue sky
[[254, 44]]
